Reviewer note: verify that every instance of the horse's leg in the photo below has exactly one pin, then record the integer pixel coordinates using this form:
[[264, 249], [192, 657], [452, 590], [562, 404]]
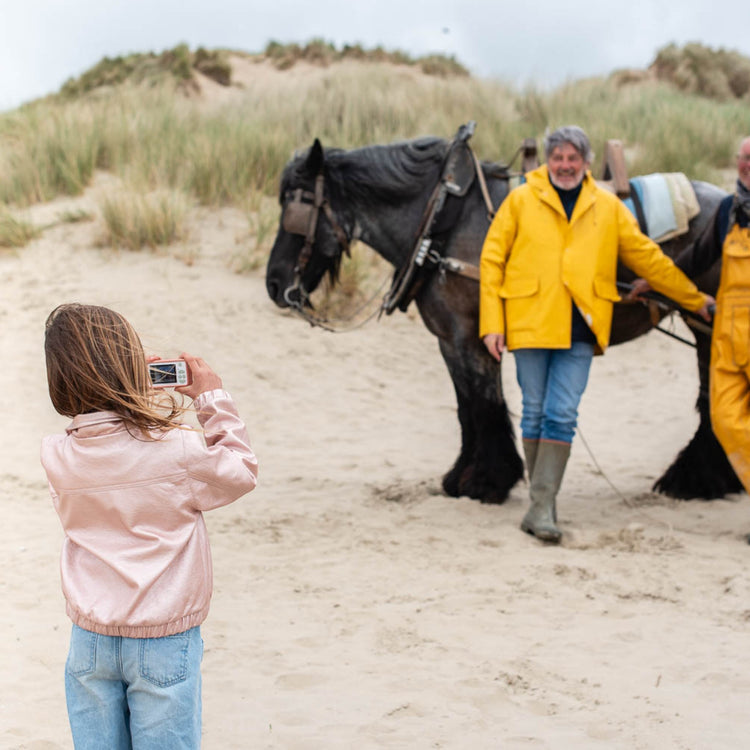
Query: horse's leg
[[488, 465], [701, 469]]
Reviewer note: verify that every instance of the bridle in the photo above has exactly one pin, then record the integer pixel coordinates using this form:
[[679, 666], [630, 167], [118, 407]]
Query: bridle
[[459, 169], [300, 217], [301, 211]]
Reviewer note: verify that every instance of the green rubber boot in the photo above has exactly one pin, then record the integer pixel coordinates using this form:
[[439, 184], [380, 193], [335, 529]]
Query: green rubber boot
[[530, 448], [541, 519]]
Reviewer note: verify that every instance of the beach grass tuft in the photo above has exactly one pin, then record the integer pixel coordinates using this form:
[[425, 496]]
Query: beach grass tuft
[[16, 232], [133, 221]]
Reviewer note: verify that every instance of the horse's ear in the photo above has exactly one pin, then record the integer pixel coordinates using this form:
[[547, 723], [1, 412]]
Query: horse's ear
[[314, 163]]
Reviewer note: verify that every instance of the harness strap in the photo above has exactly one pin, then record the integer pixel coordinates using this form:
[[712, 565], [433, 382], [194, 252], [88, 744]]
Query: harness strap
[[405, 275], [319, 202], [653, 311], [338, 230], [306, 252], [483, 187], [403, 282], [460, 267]]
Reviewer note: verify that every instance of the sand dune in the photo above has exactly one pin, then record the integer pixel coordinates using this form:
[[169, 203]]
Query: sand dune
[[356, 606]]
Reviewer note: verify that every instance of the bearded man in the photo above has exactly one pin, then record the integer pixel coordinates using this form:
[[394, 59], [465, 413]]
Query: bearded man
[[548, 282]]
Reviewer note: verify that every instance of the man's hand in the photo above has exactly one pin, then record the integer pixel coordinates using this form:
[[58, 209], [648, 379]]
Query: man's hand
[[639, 288], [706, 312], [495, 343]]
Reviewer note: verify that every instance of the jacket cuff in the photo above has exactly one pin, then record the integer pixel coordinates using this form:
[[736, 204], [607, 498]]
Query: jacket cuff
[[208, 397]]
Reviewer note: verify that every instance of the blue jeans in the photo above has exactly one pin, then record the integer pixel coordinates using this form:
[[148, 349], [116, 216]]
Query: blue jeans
[[140, 693], [552, 382]]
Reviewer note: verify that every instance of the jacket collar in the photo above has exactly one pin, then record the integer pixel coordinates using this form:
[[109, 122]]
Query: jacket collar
[[91, 419], [538, 180]]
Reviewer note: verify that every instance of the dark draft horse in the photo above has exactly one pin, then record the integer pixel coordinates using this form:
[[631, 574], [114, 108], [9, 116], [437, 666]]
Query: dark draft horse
[[378, 194]]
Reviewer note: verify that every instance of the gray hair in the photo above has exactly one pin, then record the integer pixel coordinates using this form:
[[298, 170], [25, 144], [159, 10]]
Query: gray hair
[[573, 135]]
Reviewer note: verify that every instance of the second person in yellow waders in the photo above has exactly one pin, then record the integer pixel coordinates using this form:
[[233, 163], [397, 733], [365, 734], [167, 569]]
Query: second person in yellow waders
[[728, 236]]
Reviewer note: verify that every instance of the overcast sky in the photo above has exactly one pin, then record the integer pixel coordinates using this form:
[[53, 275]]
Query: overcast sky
[[45, 42]]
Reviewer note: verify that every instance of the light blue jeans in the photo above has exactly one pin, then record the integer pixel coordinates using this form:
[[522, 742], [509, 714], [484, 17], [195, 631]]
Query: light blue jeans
[[552, 382], [139, 693]]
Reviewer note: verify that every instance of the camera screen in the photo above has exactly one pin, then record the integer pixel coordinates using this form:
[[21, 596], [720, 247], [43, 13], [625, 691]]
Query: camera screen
[[163, 374]]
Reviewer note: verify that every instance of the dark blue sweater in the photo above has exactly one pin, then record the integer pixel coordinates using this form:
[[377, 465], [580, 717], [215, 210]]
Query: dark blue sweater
[[579, 331]]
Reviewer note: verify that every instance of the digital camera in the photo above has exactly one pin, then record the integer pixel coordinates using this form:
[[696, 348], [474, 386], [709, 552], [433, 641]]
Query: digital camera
[[168, 373]]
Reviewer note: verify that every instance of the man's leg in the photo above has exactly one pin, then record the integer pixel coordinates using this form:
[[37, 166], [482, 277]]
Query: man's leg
[[567, 378], [531, 373]]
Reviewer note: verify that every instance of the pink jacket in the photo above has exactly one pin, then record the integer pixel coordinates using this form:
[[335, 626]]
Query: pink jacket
[[136, 560]]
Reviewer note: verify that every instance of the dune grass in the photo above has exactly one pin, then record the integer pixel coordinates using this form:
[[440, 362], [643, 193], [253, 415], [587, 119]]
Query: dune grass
[[133, 221], [155, 139], [170, 150], [716, 73], [16, 232], [320, 52]]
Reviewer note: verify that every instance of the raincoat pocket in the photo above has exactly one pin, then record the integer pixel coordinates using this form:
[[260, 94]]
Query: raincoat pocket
[[741, 335], [606, 289], [515, 287], [522, 304]]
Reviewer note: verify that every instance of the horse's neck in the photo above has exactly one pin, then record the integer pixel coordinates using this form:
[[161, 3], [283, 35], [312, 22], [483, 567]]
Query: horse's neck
[[389, 229], [392, 230]]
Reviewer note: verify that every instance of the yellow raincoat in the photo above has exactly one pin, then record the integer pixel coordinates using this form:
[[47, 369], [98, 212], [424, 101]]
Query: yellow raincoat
[[536, 264], [730, 354]]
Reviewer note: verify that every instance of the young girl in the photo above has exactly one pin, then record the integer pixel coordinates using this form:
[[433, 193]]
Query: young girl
[[130, 484]]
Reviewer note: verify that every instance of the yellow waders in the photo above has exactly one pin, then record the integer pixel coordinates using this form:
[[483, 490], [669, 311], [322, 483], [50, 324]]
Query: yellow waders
[[730, 354]]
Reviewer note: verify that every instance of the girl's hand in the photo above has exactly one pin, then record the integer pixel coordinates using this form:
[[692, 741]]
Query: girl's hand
[[204, 378]]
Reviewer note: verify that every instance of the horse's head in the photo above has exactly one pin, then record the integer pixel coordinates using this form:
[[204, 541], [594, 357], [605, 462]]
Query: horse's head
[[310, 240]]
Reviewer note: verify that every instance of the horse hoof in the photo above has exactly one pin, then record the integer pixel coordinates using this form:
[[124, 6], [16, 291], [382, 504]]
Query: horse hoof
[[701, 470], [450, 484]]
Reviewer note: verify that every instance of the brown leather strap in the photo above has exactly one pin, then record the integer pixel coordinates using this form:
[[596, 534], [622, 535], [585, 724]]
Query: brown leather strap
[[653, 309], [483, 187], [319, 202], [338, 230], [460, 267]]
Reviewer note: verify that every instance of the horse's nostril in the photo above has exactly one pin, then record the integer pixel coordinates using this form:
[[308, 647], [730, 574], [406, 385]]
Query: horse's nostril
[[276, 291]]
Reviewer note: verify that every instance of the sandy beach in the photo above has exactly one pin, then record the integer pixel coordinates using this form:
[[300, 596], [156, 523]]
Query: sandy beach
[[356, 606]]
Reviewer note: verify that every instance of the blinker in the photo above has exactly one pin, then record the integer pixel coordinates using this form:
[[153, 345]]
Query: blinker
[[297, 214]]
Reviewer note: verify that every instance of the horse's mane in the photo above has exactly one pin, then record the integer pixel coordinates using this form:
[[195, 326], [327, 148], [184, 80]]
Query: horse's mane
[[393, 172]]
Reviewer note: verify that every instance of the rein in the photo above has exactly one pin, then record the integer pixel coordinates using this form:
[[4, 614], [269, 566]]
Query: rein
[[655, 302], [298, 305]]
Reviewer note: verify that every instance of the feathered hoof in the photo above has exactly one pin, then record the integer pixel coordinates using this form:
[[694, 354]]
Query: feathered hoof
[[701, 470], [468, 484]]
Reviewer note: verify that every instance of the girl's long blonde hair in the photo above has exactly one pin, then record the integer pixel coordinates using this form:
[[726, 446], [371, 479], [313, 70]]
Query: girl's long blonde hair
[[95, 362]]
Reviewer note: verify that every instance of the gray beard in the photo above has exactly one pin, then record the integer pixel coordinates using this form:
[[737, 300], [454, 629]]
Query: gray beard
[[557, 185]]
